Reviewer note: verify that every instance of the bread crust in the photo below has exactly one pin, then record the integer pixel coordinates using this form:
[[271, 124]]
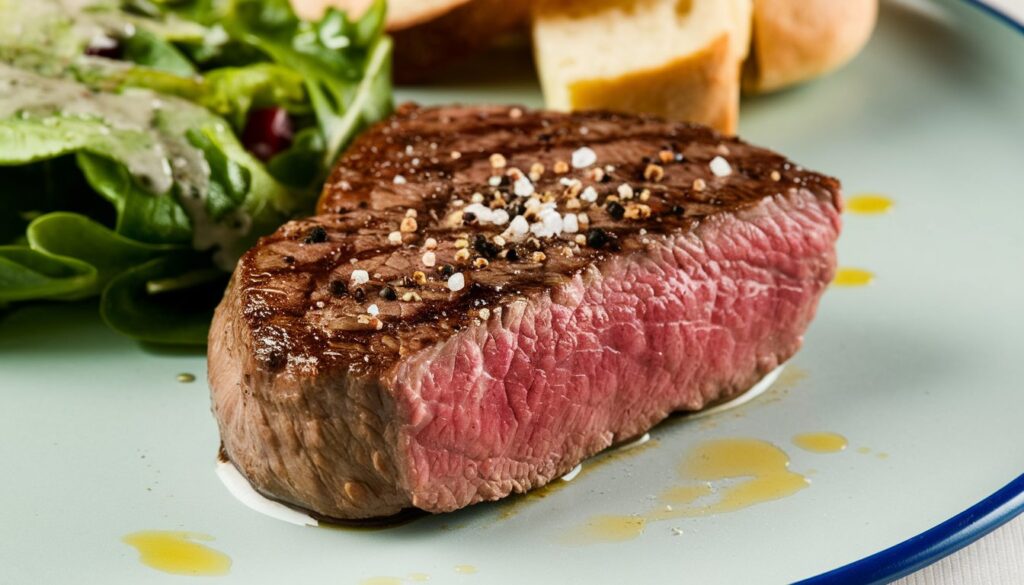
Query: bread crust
[[702, 87], [796, 40]]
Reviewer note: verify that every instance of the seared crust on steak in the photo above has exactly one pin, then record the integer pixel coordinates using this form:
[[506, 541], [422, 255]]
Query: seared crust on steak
[[357, 399]]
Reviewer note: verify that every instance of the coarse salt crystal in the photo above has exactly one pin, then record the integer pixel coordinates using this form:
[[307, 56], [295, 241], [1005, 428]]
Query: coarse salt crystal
[[625, 191], [456, 282], [519, 226], [552, 221], [429, 259], [523, 187], [399, 180], [583, 157], [589, 195], [499, 217], [570, 224], [720, 167], [360, 277], [372, 310], [395, 237]]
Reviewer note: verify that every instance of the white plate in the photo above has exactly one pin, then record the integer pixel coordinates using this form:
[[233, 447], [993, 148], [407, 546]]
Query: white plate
[[99, 440]]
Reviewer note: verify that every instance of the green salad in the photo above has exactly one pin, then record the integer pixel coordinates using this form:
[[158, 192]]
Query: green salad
[[146, 144]]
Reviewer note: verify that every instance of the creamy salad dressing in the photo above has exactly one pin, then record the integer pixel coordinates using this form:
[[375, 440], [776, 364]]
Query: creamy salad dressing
[[64, 26], [150, 141]]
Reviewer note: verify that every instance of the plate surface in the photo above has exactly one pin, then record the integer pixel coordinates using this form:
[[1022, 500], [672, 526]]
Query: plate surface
[[922, 369]]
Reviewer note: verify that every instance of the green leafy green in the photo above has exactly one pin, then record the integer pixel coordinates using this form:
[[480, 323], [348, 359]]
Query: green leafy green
[[70, 235], [178, 310], [146, 48], [126, 178], [346, 65], [27, 274]]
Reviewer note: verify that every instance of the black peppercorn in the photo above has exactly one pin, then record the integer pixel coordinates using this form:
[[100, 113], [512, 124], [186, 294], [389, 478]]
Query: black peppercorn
[[486, 248], [387, 293], [339, 288], [597, 238], [447, 270], [317, 235], [517, 208], [678, 210], [615, 210], [359, 295]]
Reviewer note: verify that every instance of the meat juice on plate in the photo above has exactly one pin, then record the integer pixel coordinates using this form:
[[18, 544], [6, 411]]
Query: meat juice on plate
[[719, 476], [853, 277], [869, 204], [176, 552], [820, 442]]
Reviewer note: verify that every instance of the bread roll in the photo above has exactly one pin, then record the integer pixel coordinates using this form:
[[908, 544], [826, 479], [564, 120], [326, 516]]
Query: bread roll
[[795, 40]]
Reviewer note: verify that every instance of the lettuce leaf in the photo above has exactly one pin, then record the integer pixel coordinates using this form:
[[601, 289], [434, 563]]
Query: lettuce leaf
[[126, 178], [346, 65]]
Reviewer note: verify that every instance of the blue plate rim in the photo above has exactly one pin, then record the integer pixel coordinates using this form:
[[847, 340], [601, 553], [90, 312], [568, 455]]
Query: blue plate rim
[[959, 531]]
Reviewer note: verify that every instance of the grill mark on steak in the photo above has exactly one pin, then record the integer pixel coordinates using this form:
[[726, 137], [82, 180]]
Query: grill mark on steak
[[436, 405], [361, 205]]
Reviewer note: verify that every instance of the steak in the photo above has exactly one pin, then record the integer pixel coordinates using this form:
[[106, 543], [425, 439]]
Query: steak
[[490, 295]]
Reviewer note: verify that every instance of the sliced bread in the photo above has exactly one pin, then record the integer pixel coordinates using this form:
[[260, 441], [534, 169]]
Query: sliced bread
[[680, 59]]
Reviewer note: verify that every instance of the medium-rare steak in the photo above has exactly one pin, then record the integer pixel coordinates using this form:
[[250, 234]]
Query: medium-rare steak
[[490, 295]]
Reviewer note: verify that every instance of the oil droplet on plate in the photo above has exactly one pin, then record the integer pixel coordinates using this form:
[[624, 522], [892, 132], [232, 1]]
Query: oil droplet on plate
[[465, 569], [820, 442], [863, 450], [869, 204], [766, 466], [186, 378], [607, 528], [175, 552], [419, 577], [850, 277], [732, 473], [686, 494]]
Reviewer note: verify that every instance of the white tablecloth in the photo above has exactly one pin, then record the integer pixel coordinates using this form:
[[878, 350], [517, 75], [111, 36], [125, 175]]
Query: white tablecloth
[[997, 559]]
